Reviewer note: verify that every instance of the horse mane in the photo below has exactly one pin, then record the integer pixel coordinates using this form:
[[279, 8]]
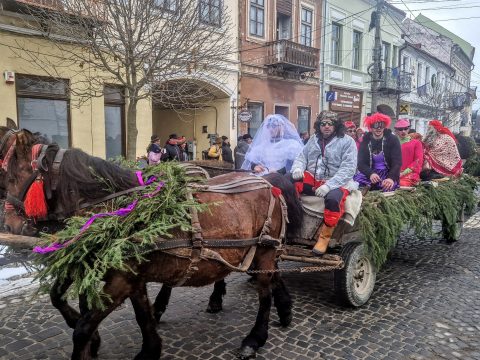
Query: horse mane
[[86, 177], [294, 207]]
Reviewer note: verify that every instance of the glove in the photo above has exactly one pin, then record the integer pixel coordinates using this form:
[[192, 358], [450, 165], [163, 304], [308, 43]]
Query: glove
[[297, 174], [322, 191]]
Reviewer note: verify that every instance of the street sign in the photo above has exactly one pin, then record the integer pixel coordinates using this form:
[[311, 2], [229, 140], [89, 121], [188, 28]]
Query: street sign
[[346, 100], [404, 109], [245, 116], [331, 96]]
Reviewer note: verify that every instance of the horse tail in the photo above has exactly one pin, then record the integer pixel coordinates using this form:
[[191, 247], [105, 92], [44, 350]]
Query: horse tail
[[294, 207]]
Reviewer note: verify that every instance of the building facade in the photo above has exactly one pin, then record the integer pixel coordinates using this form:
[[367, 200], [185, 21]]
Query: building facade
[[279, 42]]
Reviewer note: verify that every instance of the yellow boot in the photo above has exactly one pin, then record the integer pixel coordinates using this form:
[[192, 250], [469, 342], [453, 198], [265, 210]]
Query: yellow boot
[[323, 239]]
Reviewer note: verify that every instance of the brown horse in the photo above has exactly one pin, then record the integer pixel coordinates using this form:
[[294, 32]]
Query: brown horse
[[242, 215], [54, 223]]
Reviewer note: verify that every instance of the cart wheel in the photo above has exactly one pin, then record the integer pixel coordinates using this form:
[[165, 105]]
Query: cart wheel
[[452, 235], [355, 282]]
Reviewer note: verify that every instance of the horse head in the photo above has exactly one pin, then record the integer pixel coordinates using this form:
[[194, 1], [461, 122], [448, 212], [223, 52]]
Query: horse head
[[15, 154]]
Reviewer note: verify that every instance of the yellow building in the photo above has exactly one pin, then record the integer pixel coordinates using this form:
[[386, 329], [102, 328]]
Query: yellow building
[[57, 107]]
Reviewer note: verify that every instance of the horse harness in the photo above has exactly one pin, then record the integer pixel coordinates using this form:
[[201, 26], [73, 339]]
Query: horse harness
[[197, 248]]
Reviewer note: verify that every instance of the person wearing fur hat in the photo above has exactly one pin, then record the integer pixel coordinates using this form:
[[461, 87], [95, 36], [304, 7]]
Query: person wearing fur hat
[[325, 168], [441, 153], [412, 154], [379, 156], [215, 151]]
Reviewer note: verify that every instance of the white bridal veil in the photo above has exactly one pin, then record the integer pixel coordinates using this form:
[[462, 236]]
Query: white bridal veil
[[275, 145]]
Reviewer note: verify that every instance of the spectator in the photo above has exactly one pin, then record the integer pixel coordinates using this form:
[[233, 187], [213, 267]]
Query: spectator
[[226, 150], [305, 136], [182, 144], [171, 151], [241, 149], [215, 151], [154, 151]]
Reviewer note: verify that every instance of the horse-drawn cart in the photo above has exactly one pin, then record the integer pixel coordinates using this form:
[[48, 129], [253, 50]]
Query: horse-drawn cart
[[350, 255]]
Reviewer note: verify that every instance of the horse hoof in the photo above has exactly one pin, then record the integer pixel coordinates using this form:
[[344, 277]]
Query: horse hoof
[[158, 316], [246, 352], [214, 308], [286, 320]]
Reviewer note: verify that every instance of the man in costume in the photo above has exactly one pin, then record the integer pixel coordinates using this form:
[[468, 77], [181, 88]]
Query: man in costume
[[441, 153], [412, 155], [379, 155], [274, 148], [325, 168]]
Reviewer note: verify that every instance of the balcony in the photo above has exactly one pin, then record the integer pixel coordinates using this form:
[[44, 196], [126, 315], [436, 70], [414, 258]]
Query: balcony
[[394, 81], [290, 56], [459, 100]]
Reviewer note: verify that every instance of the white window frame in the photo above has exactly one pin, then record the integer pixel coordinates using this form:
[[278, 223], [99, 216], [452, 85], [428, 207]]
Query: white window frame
[[359, 65], [304, 6], [265, 17], [338, 50]]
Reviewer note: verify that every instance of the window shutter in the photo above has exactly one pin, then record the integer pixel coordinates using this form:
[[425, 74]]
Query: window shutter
[[284, 7]]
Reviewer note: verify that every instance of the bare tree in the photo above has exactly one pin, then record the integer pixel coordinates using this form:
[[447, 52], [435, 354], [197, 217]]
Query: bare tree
[[145, 46], [436, 97]]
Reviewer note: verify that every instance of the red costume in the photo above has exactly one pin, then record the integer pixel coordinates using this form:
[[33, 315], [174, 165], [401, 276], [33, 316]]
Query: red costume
[[412, 159]]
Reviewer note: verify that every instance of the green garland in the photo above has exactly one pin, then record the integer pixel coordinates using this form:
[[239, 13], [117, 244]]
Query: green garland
[[110, 241], [382, 219]]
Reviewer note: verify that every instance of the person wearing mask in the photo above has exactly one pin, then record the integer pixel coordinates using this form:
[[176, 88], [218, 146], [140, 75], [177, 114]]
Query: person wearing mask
[[154, 151], [441, 153], [241, 149], [379, 155], [325, 168], [226, 150], [274, 148], [412, 154], [215, 151]]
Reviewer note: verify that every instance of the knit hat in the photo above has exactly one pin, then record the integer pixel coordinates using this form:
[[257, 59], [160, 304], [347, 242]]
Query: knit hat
[[402, 123], [377, 117], [350, 124]]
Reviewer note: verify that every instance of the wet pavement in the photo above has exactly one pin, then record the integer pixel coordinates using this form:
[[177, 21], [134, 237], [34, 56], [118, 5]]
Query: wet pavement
[[426, 305]]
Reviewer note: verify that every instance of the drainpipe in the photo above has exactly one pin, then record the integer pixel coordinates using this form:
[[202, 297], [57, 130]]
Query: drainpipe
[[322, 71], [400, 51]]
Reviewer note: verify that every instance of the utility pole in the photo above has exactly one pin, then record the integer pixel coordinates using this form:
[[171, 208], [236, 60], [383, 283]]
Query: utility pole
[[377, 56]]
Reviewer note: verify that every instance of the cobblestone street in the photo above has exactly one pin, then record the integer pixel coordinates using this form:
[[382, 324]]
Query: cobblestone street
[[426, 305]]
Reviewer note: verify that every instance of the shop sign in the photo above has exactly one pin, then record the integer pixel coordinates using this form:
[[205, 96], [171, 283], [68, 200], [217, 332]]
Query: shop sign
[[347, 101], [245, 116]]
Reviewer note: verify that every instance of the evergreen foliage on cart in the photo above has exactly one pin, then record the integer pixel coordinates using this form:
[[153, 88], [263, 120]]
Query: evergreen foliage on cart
[[382, 218]]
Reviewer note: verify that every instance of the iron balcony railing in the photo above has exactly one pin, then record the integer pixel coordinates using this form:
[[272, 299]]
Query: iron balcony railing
[[395, 81], [289, 55]]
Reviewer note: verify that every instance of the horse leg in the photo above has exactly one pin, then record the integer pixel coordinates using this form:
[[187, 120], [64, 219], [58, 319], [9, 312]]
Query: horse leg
[[95, 340], [259, 334], [152, 344], [282, 300], [88, 323], [216, 299], [57, 292], [161, 301]]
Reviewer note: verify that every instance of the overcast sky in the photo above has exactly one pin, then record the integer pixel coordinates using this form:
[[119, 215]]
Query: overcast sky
[[466, 24]]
